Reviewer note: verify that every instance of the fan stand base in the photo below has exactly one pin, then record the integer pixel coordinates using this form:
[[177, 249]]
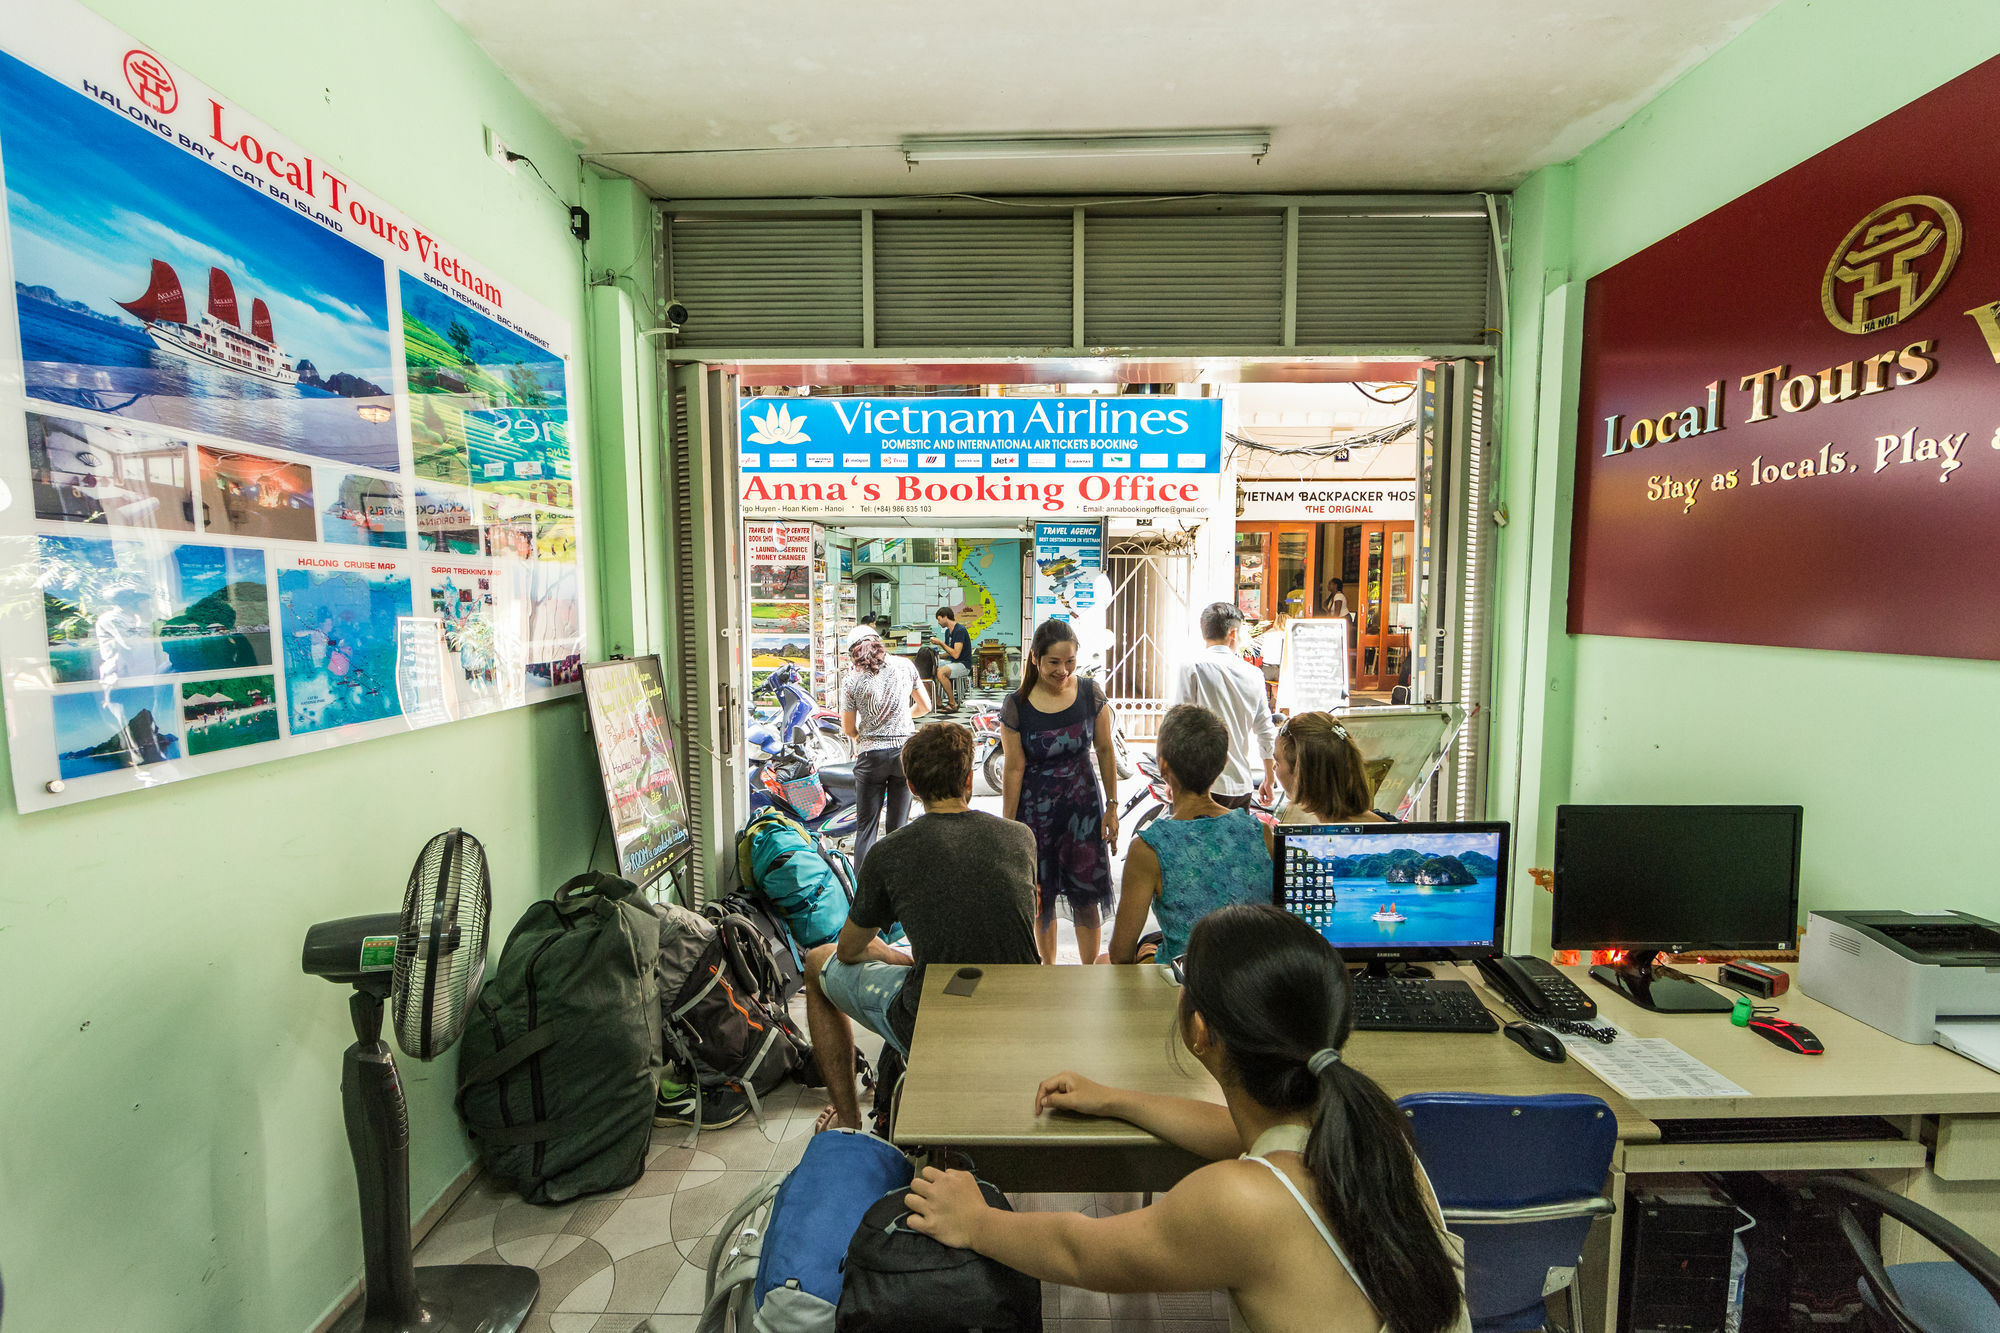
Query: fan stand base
[[457, 1298]]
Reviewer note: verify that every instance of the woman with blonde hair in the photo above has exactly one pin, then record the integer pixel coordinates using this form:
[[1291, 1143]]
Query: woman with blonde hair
[[1324, 776]]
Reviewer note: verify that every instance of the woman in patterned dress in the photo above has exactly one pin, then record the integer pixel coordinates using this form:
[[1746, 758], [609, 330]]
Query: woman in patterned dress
[[1048, 729]]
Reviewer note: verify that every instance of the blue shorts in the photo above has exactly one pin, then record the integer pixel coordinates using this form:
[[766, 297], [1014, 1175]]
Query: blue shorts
[[864, 991]]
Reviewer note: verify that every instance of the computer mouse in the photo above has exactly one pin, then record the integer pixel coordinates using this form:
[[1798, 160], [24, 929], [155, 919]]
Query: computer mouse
[[1537, 1041], [1783, 1032]]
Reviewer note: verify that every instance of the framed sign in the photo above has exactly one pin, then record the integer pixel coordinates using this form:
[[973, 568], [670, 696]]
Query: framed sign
[[627, 704], [1789, 421], [1313, 675], [279, 468]]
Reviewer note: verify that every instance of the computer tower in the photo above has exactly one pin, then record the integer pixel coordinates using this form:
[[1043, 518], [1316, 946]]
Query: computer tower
[[1679, 1235], [1802, 1277]]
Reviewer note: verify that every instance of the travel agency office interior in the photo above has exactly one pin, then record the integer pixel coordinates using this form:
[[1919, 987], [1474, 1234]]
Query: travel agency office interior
[[1660, 612]]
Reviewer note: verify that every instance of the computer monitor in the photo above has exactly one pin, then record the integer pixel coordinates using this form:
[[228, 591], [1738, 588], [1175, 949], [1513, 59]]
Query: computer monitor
[[1655, 879], [1396, 893]]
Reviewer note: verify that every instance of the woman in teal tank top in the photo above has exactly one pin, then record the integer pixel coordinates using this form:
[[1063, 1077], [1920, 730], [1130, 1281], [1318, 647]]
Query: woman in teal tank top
[[1203, 857]]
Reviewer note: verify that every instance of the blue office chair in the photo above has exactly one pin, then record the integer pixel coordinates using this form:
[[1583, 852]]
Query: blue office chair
[[1962, 1296], [1520, 1180]]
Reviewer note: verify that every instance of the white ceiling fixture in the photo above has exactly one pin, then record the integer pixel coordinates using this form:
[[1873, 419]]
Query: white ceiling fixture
[[774, 98], [1178, 143]]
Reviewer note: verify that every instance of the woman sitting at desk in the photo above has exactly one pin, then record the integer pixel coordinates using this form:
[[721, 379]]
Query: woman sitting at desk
[[1322, 772], [1204, 855], [1313, 1213]]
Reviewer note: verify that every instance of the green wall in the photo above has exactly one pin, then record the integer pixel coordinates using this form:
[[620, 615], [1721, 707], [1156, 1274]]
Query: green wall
[[1889, 755], [171, 1147]]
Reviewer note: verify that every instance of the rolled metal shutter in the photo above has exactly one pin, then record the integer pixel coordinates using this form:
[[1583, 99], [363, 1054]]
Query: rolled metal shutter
[[768, 282], [1393, 280], [973, 282], [1156, 280]]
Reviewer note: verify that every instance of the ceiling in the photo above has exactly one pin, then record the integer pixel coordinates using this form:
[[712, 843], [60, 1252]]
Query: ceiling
[[768, 98]]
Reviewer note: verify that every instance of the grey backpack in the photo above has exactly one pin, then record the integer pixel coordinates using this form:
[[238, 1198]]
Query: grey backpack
[[560, 1063]]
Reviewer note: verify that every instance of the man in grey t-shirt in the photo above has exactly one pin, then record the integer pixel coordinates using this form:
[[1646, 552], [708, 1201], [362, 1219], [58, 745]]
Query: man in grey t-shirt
[[961, 882]]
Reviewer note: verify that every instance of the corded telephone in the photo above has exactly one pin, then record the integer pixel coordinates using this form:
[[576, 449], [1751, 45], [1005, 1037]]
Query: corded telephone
[[1535, 987]]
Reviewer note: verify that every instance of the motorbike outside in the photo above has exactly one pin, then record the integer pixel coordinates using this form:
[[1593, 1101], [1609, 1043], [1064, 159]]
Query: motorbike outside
[[796, 716], [989, 760], [781, 780]]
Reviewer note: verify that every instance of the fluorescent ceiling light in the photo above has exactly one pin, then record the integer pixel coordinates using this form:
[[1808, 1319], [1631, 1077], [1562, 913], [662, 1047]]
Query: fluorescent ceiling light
[[1193, 143]]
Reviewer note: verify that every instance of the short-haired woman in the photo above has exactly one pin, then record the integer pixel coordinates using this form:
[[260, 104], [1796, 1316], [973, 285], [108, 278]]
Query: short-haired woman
[[1048, 731], [1204, 855], [1313, 1212], [1322, 772], [880, 702]]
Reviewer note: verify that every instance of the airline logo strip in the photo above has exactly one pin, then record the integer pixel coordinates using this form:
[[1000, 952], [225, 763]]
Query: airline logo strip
[[970, 457]]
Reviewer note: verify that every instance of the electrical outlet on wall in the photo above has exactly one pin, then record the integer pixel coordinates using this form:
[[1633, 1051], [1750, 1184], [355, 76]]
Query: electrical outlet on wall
[[497, 149]]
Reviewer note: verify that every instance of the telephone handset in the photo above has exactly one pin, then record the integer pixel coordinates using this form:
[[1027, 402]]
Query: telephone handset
[[1535, 988]]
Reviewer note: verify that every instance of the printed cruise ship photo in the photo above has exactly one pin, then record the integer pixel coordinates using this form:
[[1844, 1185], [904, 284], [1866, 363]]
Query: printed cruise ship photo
[[218, 337]]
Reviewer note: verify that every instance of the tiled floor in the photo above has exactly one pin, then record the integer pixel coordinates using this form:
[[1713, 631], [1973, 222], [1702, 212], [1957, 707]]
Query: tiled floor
[[635, 1260]]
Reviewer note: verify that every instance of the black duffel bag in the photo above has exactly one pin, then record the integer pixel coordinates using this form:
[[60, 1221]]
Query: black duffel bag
[[901, 1281]]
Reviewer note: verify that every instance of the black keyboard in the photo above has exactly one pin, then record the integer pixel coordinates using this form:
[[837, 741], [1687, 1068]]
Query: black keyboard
[[1397, 1004], [1780, 1129]]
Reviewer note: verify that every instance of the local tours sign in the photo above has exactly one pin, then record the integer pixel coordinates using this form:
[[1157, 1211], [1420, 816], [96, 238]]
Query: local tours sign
[[979, 457], [1789, 421]]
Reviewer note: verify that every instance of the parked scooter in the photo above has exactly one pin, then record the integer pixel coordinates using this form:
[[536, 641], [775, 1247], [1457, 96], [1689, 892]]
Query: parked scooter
[[793, 782], [796, 716]]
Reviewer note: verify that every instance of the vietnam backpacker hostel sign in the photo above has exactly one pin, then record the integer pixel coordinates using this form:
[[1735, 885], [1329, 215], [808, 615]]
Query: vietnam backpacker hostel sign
[[1789, 421], [1326, 501], [979, 457]]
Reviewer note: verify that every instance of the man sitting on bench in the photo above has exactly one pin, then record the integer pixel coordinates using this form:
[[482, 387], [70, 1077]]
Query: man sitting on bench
[[961, 882]]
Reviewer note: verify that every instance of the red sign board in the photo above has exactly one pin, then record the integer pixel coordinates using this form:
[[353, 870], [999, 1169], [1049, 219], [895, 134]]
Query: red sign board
[[1789, 415]]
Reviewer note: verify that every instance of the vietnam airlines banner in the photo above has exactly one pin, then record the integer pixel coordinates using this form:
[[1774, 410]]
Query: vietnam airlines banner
[[1789, 429], [280, 467], [979, 457]]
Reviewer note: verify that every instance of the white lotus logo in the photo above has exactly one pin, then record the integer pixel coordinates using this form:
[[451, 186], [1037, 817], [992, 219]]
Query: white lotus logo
[[779, 426]]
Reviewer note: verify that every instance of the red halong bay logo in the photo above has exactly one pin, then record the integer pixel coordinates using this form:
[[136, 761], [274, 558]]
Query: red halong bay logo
[[150, 82]]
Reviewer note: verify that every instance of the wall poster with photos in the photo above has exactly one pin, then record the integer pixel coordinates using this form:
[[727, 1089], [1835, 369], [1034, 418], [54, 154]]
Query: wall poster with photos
[[279, 468]]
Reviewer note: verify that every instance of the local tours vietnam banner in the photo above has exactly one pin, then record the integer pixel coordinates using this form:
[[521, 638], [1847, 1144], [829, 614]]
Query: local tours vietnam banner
[[280, 468]]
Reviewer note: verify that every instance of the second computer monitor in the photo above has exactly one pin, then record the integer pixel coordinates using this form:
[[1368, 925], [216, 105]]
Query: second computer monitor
[[1386, 892]]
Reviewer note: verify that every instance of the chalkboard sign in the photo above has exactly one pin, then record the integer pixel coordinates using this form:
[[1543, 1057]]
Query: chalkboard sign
[[627, 705], [1313, 677]]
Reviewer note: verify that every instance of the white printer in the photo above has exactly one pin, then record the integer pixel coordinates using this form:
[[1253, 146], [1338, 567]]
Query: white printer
[[1918, 978]]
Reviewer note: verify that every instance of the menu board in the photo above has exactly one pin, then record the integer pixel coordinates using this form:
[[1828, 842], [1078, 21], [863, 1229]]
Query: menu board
[[1313, 677], [626, 700]]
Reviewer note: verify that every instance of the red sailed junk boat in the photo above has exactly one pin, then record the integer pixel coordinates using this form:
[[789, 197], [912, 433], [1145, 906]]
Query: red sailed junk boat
[[218, 337]]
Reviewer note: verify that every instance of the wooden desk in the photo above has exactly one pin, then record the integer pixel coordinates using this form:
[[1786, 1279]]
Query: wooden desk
[[978, 1059]]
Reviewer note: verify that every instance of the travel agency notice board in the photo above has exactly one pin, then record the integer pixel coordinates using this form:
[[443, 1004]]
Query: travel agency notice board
[[280, 469], [1789, 420]]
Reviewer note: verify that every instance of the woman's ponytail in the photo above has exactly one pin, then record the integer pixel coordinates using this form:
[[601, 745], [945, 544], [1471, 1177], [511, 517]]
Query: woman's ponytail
[[1275, 996]]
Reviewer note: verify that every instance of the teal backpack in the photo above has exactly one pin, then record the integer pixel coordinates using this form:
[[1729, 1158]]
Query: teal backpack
[[777, 858]]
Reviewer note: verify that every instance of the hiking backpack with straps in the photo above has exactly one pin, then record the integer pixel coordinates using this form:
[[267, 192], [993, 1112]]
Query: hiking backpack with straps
[[810, 887], [560, 1063], [715, 977]]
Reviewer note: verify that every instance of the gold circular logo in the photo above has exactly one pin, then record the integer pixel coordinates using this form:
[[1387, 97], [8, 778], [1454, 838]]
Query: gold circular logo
[[1891, 264]]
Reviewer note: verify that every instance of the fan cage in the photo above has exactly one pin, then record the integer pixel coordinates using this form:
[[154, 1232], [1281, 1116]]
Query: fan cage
[[441, 951]]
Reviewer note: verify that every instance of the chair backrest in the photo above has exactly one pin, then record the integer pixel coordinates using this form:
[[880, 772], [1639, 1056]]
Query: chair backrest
[[1494, 1154]]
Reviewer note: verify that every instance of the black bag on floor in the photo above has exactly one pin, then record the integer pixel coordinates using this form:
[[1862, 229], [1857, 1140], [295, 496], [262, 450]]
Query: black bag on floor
[[786, 976], [560, 1063], [714, 973], [900, 1281]]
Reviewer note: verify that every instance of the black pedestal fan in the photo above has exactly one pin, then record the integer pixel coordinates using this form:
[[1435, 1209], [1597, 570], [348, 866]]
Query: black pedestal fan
[[427, 962]]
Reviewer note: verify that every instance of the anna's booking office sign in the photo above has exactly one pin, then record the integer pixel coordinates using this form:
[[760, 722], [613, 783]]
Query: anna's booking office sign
[[935, 458], [1789, 423]]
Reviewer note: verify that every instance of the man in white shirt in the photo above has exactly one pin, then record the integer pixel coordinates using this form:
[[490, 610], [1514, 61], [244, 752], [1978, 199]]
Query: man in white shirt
[[1222, 682]]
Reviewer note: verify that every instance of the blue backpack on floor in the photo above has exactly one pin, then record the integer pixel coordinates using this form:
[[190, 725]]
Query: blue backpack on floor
[[785, 1276], [776, 857]]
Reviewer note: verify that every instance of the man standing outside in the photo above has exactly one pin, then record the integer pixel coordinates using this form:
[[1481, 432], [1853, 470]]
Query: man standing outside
[[954, 657], [1220, 680], [982, 912]]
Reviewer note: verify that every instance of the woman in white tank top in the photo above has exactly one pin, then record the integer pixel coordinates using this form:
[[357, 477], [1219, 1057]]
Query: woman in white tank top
[[1313, 1213]]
